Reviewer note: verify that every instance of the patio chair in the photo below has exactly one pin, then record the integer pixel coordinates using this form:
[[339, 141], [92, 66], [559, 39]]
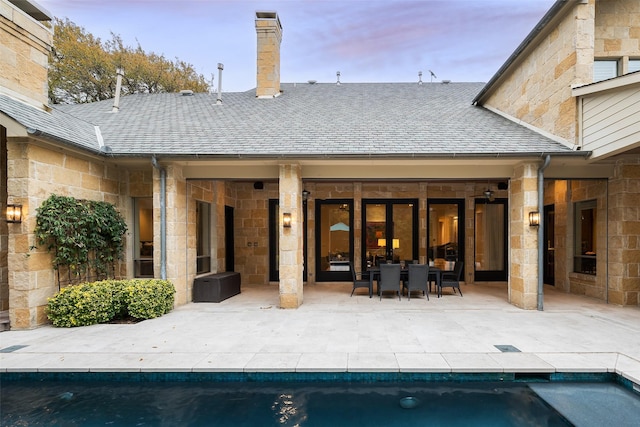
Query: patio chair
[[360, 282], [417, 279], [451, 279], [389, 279]]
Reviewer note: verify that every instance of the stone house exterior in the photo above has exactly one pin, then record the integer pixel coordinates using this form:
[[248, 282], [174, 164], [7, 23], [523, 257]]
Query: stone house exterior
[[415, 171]]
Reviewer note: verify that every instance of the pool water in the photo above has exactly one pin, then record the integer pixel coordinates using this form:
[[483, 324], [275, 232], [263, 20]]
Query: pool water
[[94, 403]]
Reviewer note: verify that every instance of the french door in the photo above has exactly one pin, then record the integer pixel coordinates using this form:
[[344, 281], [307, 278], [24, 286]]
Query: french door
[[390, 231], [445, 234], [334, 240]]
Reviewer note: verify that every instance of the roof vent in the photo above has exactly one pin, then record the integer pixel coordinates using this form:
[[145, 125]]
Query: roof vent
[[186, 92], [338, 77], [116, 98], [311, 82], [220, 68], [446, 82], [419, 77]]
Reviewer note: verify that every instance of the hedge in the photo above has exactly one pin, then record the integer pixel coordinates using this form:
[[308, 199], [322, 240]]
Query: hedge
[[104, 301]]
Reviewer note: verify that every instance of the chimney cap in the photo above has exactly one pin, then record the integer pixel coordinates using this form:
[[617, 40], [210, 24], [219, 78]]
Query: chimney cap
[[268, 14]]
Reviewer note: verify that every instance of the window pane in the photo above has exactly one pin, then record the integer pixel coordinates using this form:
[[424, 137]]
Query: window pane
[[335, 236], [489, 240], [203, 237], [143, 241], [403, 235], [376, 233], [443, 233], [634, 65], [585, 237], [604, 69]]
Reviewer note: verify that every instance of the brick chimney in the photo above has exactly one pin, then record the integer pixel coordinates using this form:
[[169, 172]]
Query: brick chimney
[[269, 31]]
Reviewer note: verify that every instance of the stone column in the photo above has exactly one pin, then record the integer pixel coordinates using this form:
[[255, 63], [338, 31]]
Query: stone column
[[523, 239], [291, 243], [176, 231], [624, 233]]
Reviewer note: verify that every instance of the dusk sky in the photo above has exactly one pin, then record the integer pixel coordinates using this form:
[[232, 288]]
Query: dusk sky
[[366, 40]]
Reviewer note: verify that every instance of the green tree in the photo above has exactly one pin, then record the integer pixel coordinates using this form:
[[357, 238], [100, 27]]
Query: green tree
[[82, 68]]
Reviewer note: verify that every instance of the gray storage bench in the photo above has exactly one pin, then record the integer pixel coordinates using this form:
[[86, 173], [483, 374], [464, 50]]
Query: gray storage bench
[[216, 287]]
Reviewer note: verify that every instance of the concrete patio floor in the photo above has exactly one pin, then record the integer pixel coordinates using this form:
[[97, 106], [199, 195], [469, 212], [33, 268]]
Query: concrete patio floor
[[332, 332]]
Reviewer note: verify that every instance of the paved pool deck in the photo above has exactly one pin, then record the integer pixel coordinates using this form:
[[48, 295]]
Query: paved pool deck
[[333, 332]]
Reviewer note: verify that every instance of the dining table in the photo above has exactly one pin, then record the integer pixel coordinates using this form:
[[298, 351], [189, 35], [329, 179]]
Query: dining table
[[435, 275]]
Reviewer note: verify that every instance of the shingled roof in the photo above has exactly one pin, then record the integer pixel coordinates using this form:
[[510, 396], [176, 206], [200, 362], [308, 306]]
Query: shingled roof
[[308, 120], [55, 124]]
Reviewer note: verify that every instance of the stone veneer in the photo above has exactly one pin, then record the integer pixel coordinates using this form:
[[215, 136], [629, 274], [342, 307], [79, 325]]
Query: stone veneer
[[624, 233], [523, 239], [291, 239], [35, 174], [24, 48], [269, 34], [617, 30], [538, 89]]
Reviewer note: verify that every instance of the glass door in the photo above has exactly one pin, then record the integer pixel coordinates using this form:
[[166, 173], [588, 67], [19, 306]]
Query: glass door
[[390, 231], [445, 232], [490, 240], [549, 242], [334, 240]]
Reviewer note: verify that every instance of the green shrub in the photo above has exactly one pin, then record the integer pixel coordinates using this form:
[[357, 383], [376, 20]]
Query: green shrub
[[81, 305], [100, 302], [147, 299]]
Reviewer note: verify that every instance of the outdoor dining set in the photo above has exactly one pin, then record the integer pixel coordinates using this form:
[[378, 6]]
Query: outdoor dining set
[[407, 277]]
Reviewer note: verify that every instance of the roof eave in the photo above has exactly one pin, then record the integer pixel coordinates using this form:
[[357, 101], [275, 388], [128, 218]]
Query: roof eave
[[56, 139], [398, 156]]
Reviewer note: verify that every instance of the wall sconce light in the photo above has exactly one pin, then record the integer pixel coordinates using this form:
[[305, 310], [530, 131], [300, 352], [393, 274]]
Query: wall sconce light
[[286, 220], [534, 219], [14, 213], [382, 243], [305, 195], [396, 243]]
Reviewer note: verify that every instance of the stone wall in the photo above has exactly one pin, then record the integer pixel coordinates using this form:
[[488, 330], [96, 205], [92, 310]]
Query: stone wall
[[538, 89], [624, 233], [251, 229], [523, 268], [617, 30], [177, 264], [24, 48], [36, 174]]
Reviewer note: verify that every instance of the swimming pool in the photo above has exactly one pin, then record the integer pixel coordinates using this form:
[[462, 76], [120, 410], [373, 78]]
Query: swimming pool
[[152, 400]]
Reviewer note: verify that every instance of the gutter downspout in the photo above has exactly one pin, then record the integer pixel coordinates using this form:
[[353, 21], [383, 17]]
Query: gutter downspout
[[163, 217], [547, 160]]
